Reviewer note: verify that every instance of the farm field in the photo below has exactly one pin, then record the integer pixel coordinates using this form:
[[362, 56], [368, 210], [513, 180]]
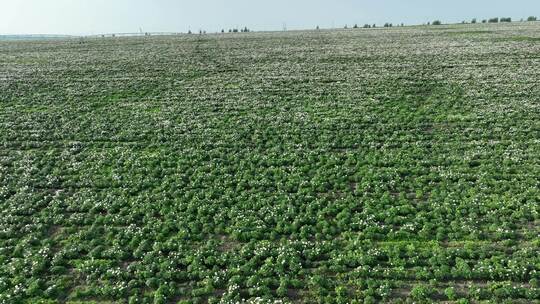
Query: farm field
[[396, 165]]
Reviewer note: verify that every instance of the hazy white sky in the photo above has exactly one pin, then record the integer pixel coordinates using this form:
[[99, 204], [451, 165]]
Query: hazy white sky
[[108, 16]]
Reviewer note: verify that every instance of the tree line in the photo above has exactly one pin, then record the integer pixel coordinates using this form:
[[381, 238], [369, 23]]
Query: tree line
[[489, 20], [439, 22], [387, 24]]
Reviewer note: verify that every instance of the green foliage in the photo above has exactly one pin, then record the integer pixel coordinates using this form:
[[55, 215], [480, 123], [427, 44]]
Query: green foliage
[[421, 292], [450, 293], [384, 166]]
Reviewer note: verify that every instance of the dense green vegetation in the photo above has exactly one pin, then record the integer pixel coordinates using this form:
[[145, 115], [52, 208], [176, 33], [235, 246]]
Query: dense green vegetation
[[348, 166]]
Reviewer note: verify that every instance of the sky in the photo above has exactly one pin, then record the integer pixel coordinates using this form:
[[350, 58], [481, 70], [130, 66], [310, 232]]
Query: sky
[[87, 17]]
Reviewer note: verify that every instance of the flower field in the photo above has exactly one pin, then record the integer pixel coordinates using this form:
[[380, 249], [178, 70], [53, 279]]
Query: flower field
[[397, 165]]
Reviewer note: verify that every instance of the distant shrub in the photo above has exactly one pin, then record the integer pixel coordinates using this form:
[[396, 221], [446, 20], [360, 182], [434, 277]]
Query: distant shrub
[[508, 19], [473, 21], [484, 21], [388, 24], [367, 26], [532, 18], [436, 22], [355, 26], [494, 20]]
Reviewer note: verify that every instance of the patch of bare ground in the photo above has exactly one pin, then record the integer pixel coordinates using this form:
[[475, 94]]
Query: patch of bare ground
[[228, 244]]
